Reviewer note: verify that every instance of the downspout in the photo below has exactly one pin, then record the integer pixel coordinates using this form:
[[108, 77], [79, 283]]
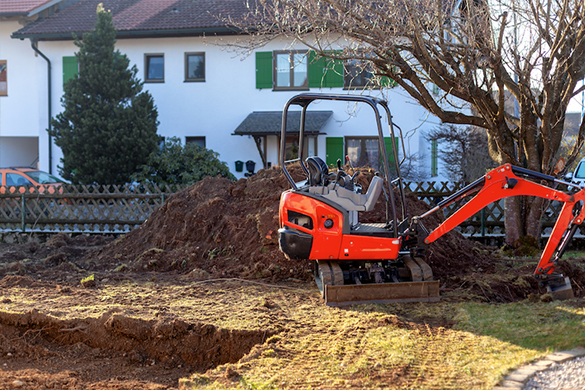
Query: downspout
[[33, 44]]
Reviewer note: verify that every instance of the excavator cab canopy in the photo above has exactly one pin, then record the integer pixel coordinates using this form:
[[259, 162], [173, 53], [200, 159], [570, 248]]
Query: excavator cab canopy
[[315, 168]]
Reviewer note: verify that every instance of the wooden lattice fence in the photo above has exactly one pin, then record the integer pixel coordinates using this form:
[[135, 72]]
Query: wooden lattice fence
[[88, 209], [118, 209]]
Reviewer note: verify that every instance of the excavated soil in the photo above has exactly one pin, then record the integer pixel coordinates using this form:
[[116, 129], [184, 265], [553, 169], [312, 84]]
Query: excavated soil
[[131, 330]]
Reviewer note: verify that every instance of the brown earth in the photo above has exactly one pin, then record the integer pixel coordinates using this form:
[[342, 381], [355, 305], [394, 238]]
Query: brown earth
[[148, 314]]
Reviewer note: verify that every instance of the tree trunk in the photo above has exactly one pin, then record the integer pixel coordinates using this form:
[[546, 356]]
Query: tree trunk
[[522, 217], [513, 218], [534, 216]]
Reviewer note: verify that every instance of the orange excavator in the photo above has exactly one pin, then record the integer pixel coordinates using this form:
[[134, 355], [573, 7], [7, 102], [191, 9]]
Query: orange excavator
[[382, 262]]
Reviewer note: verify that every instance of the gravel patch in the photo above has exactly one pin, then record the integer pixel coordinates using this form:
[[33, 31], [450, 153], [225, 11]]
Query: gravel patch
[[560, 376]]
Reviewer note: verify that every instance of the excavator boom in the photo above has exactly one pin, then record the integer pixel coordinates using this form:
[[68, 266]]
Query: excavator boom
[[506, 181]]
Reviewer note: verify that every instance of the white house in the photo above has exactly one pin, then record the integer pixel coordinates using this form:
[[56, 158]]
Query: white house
[[204, 92], [23, 92]]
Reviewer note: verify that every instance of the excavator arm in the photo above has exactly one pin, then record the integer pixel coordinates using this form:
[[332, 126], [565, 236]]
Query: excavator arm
[[508, 180]]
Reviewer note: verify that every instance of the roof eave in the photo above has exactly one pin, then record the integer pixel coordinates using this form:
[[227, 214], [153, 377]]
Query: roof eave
[[12, 14], [43, 7], [276, 133], [127, 34]]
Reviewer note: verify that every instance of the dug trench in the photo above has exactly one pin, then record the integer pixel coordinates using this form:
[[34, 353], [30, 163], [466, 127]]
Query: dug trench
[[176, 342], [49, 348]]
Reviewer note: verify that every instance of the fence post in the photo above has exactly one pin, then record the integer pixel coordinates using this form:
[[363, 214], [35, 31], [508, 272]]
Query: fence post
[[483, 222], [23, 212]]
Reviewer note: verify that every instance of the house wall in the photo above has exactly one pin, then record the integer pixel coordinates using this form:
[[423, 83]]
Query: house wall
[[215, 108], [19, 151], [20, 110]]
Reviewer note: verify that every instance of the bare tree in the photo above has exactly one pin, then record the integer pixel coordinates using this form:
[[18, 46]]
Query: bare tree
[[474, 53], [463, 150]]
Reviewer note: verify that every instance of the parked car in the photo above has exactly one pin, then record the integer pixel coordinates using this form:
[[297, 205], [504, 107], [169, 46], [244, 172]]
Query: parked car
[[578, 175], [15, 179]]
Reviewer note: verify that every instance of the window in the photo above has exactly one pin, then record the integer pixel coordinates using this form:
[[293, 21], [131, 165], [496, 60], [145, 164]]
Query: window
[[356, 75], [290, 70], [196, 140], [297, 70], [14, 179], [580, 171], [292, 147], [194, 66], [42, 177], [363, 151], [3, 79], [155, 68]]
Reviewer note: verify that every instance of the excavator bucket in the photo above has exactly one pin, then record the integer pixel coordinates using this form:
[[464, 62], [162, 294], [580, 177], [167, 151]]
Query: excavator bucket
[[410, 281], [560, 289]]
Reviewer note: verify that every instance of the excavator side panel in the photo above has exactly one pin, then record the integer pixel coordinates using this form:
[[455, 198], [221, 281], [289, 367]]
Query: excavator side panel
[[354, 247]]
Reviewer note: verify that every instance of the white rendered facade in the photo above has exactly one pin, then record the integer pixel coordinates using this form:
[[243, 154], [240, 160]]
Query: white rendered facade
[[21, 119], [212, 108]]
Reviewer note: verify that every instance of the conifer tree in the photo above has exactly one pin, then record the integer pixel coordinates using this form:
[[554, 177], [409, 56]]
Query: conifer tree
[[108, 126]]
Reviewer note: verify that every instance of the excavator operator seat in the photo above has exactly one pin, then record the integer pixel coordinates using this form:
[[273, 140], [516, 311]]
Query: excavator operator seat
[[318, 171], [350, 200], [373, 193]]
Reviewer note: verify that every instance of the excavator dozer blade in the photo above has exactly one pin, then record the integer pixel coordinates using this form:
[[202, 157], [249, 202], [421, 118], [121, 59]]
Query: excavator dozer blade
[[421, 288], [382, 293]]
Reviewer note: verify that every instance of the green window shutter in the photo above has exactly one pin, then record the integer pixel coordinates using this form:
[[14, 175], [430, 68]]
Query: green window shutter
[[389, 150], [387, 82], [325, 72], [264, 69], [334, 75], [316, 70], [70, 68], [434, 157], [334, 150]]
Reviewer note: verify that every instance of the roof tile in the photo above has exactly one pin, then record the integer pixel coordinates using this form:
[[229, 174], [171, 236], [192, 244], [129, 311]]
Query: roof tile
[[20, 6], [139, 15]]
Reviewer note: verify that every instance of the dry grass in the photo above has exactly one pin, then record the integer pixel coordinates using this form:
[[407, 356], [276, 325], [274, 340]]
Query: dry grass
[[446, 345], [419, 346]]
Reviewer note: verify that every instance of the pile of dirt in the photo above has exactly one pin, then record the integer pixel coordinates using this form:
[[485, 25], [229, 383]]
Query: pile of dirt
[[222, 229], [217, 228]]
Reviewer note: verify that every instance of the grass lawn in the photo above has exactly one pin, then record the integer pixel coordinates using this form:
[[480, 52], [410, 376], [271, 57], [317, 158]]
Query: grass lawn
[[446, 345]]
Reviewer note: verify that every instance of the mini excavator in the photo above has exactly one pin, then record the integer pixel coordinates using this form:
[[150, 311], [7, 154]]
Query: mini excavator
[[384, 262]]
